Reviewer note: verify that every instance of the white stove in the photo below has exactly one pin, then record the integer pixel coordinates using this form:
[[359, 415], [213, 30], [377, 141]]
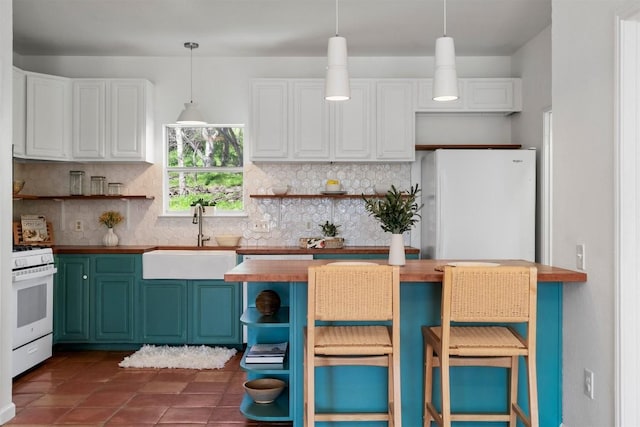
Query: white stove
[[32, 309]]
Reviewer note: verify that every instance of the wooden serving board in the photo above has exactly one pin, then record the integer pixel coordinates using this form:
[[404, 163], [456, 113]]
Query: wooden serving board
[[18, 239]]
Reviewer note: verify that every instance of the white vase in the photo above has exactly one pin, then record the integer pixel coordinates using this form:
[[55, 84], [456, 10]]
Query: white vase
[[396, 250], [111, 238]]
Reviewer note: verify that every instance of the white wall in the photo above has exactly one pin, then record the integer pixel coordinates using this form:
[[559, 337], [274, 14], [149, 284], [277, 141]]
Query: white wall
[[532, 62], [7, 409], [583, 128]]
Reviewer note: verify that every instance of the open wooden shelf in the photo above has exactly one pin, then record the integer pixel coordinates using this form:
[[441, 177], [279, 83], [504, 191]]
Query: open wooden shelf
[[312, 196], [468, 146], [106, 197]]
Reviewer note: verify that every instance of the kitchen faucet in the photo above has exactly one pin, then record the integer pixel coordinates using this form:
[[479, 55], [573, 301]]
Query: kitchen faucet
[[197, 219]]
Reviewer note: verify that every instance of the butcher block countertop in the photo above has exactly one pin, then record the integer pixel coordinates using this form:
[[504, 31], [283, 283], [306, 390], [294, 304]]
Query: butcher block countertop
[[240, 250], [424, 270]]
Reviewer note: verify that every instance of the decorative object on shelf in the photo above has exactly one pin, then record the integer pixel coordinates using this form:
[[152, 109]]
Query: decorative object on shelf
[[279, 190], [268, 302], [264, 390], [397, 212], [445, 77], [333, 186], [336, 84], [110, 219], [76, 183], [191, 115], [381, 188], [18, 185]]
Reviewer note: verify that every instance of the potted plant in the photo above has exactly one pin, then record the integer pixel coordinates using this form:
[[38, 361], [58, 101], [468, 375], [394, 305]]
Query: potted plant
[[397, 212], [330, 233]]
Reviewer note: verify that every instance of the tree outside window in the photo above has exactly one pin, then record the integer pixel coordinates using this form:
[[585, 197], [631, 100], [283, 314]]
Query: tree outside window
[[204, 164]]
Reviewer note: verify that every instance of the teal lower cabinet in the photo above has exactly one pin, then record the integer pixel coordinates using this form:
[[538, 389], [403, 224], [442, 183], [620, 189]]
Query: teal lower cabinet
[[101, 301], [71, 314], [270, 329], [162, 309], [214, 310], [114, 279]]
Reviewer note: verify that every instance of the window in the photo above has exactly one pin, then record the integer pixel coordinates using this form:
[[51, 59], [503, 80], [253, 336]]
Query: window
[[204, 164]]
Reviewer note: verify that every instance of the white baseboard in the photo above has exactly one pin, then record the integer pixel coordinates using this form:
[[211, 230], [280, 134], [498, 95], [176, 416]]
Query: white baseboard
[[7, 412]]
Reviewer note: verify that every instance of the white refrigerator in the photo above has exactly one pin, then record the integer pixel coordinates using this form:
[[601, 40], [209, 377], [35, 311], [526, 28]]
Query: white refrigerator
[[479, 204]]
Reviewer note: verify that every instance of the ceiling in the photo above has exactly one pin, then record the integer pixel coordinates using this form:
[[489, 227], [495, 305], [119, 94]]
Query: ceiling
[[272, 27]]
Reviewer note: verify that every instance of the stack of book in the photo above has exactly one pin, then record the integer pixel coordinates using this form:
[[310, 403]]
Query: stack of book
[[267, 353]]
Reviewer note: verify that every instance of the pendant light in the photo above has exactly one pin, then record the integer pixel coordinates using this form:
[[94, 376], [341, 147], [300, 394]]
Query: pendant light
[[191, 115], [336, 84], [445, 78]]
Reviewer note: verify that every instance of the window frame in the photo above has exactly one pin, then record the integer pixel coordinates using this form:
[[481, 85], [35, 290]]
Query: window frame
[[166, 169]]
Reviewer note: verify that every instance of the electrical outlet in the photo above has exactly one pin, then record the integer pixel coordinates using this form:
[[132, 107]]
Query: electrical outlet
[[78, 225], [580, 257], [588, 383], [261, 226]]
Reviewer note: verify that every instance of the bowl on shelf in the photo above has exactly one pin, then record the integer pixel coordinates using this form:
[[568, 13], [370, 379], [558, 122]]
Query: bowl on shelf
[[381, 188], [264, 390], [279, 190], [228, 240], [17, 186]]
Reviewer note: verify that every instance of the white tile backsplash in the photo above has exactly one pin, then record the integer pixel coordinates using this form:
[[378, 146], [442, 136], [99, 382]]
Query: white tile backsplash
[[289, 219]]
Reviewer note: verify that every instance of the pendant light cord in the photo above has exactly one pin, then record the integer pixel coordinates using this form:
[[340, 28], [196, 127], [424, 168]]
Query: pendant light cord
[[191, 73], [336, 18], [445, 17]]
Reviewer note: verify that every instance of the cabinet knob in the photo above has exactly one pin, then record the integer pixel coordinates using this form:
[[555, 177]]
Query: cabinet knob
[[84, 276]]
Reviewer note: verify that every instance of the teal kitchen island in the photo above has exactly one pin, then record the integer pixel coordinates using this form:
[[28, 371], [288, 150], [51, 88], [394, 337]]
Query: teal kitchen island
[[364, 388]]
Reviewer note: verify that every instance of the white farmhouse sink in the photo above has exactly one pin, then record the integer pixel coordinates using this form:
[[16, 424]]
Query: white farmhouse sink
[[187, 264]]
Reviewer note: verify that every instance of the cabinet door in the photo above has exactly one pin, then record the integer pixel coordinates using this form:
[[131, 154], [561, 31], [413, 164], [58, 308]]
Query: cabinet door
[[353, 124], [48, 117], [214, 312], [114, 296], [310, 121], [89, 119], [129, 120], [19, 112], [494, 94], [163, 312], [71, 300], [269, 118], [395, 120]]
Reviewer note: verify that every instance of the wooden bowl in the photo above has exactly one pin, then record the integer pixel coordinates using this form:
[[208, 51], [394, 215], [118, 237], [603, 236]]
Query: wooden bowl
[[264, 390], [268, 302]]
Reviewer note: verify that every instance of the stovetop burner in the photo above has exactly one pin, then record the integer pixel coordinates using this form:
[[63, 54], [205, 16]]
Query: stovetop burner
[[21, 248]]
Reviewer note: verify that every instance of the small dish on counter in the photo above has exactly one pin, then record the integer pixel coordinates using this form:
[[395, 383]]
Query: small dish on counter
[[228, 240], [337, 192], [280, 190]]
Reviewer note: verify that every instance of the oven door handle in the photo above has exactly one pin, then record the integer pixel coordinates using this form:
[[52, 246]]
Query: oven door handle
[[34, 275]]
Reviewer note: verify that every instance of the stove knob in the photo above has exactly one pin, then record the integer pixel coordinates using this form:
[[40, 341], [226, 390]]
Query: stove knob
[[20, 262]]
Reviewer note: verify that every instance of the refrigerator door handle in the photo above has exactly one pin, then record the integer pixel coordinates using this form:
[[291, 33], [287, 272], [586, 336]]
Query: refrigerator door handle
[[439, 230]]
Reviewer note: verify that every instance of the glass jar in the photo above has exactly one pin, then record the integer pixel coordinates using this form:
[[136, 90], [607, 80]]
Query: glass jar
[[115, 188], [76, 183], [98, 184]]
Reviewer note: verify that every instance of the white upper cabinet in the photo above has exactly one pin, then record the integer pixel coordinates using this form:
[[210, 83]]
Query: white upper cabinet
[[130, 121], [395, 130], [269, 120], [48, 107], [112, 120], [503, 95], [19, 112], [316, 129], [89, 119], [353, 131], [309, 121]]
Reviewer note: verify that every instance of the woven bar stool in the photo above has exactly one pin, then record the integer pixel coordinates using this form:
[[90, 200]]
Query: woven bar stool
[[503, 295], [353, 293]]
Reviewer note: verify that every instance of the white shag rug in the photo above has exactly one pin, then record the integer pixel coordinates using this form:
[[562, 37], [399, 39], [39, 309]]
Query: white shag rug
[[190, 357]]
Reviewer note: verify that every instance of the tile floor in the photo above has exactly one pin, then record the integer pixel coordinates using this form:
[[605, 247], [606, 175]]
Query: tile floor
[[88, 388]]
